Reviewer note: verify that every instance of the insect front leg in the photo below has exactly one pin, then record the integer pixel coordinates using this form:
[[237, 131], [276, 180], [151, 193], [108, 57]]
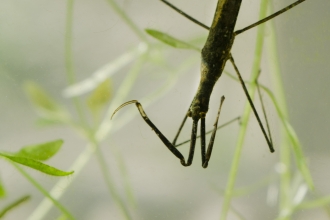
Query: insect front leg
[[206, 156], [180, 129], [166, 142]]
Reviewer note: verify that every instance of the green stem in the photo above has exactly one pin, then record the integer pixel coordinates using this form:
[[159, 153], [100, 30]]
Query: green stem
[[69, 64], [125, 177], [245, 118], [43, 191], [68, 43], [13, 205], [285, 159], [127, 20], [109, 181]]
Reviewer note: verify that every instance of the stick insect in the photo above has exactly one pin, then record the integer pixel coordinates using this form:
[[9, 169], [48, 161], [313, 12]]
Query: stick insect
[[215, 53]]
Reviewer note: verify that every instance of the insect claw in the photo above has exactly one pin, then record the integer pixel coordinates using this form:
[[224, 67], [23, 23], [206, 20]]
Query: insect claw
[[205, 164], [123, 105]]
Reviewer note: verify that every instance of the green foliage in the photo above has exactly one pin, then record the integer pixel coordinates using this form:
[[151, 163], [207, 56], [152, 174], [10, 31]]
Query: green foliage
[[45, 105], [167, 39], [293, 138], [62, 217], [2, 190], [319, 202], [37, 165], [100, 97], [40, 98], [42, 151], [13, 205], [52, 112], [31, 155]]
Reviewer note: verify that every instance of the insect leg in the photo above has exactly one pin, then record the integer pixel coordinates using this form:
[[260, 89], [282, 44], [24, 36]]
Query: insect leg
[[179, 130], [221, 126], [185, 15], [192, 143], [263, 110], [207, 156], [269, 17], [166, 142], [270, 144], [203, 140]]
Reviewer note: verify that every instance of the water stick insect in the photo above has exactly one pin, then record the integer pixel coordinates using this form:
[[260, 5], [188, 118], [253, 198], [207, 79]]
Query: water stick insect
[[215, 53]]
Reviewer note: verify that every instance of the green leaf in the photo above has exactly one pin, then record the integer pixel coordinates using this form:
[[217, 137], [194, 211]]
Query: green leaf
[[106, 71], [100, 96], [46, 106], [316, 203], [13, 205], [63, 217], [2, 190], [167, 39], [43, 122], [39, 97], [37, 165], [42, 151]]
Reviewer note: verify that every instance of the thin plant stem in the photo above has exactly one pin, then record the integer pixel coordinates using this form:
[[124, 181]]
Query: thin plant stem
[[109, 182], [68, 42], [127, 20], [229, 191], [71, 79], [43, 191], [13, 205], [287, 136], [63, 184], [285, 159], [125, 176], [69, 64]]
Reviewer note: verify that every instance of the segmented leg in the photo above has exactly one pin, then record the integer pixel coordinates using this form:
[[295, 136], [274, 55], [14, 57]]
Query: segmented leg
[[269, 142], [170, 146]]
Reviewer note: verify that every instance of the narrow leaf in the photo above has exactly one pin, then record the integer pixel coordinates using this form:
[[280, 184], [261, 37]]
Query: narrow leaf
[[37, 165], [100, 96], [63, 217], [45, 105], [320, 202], [167, 39], [13, 205], [2, 190], [105, 72], [43, 122], [42, 151], [39, 97]]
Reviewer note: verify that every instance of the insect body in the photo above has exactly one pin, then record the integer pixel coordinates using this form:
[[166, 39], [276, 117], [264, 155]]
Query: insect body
[[215, 54]]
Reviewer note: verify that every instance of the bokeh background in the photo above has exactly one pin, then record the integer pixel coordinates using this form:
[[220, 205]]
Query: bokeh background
[[32, 48]]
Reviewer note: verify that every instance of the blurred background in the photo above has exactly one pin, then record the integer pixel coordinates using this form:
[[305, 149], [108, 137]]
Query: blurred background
[[32, 48]]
